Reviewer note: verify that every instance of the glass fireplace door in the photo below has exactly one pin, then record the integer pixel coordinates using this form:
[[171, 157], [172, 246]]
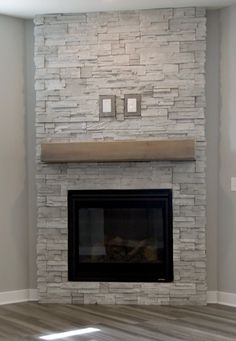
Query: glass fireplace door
[[120, 235]]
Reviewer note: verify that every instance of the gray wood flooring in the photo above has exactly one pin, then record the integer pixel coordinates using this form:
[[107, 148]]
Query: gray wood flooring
[[28, 321]]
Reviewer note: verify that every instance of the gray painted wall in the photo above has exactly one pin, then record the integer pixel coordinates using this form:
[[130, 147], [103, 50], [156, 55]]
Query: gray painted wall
[[221, 137], [227, 154], [13, 180], [17, 178], [212, 133], [30, 147]]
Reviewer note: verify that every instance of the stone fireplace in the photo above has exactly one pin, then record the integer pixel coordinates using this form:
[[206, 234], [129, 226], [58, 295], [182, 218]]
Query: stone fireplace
[[160, 55]]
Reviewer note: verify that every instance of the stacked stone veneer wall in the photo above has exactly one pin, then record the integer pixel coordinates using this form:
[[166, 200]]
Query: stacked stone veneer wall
[[159, 54]]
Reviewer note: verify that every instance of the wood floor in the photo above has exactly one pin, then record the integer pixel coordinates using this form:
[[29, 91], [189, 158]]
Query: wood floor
[[28, 321]]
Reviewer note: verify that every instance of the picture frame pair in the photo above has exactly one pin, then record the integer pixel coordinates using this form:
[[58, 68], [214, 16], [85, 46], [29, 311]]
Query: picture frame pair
[[132, 105]]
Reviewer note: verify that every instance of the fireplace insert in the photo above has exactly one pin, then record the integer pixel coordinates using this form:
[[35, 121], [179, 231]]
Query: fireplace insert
[[120, 235]]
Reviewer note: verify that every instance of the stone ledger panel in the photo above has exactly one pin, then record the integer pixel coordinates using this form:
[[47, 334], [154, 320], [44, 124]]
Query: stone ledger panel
[[160, 55]]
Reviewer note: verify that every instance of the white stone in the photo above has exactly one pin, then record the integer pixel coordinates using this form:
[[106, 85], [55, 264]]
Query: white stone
[[159, 54]]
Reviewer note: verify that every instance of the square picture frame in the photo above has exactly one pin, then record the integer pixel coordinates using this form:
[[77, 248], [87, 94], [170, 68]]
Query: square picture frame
[[107, 105], [132, 105]]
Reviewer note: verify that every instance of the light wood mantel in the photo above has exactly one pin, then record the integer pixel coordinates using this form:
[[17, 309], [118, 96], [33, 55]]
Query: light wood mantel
[[113, 151]]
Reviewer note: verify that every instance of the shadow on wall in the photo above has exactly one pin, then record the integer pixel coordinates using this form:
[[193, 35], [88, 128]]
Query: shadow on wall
[[227, 198]]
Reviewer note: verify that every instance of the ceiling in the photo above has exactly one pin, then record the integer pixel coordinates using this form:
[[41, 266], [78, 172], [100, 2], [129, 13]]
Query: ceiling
[[30, 8]]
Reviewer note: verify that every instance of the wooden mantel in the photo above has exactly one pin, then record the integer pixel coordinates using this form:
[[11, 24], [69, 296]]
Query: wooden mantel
[[112, 151]]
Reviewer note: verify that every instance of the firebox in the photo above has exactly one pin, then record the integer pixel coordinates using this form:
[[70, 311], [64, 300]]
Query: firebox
[[120, 235]]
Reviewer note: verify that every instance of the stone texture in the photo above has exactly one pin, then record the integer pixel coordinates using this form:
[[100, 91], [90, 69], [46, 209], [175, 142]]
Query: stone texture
[[159, 54]]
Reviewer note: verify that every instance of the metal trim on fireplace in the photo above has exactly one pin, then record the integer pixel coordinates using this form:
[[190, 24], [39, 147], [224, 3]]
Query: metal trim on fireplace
[[119, 272]]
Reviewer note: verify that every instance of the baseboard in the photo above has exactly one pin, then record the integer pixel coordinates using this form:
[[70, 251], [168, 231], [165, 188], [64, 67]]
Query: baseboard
[[17, 296], [227, 298], [220, 297]]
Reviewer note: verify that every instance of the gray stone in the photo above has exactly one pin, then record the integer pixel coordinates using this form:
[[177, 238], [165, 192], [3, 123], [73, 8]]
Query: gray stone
[[159, 54]]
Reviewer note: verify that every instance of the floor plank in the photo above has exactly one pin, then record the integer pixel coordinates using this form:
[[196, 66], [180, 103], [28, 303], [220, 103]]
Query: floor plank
[[28, 321]]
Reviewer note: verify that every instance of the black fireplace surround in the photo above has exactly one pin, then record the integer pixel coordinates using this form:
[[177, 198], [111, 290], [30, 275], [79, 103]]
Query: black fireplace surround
[[120, 235]]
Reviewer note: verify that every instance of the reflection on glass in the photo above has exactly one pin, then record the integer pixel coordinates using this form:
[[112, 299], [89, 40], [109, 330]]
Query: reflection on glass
[[121, 235]]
